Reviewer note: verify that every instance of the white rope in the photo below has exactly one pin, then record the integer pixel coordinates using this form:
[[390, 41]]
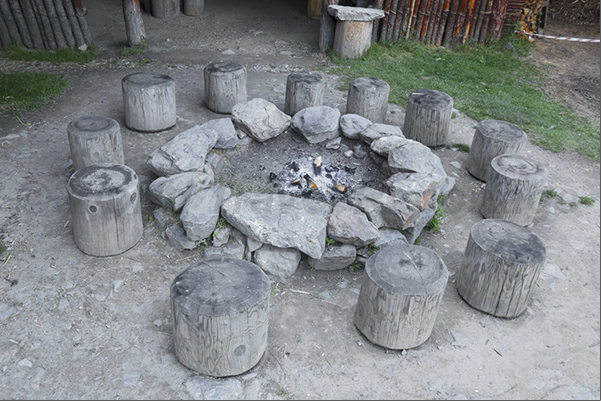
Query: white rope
[[561, 38]]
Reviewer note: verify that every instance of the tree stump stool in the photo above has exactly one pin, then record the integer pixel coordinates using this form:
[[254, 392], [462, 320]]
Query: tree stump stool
[[303, 89], [428, 117], [220, 316], [105, 209], [165, 8], [354, 26], [225, 86], [500, 267], [400, 297], [368, 97], [491, 139], [193, 7], [93, 140], [149, 101], [514, 188]]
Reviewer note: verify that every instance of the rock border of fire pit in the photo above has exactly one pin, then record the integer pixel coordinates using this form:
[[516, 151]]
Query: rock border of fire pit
[[274, 231]]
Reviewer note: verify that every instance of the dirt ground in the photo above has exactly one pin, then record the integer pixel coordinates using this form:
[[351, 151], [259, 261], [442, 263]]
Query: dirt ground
[[80, 327]]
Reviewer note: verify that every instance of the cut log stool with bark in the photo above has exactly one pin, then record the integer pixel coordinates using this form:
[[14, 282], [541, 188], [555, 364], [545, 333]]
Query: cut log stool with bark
[[500, 267], [368, 97], [94, 140], [193, 7], [303, 89], [105, 209], [514, 188], [400, 296], [428, 117], [225, 86], [220, 311], [165, 8], [354, 26], [149, 102], [491, 139]]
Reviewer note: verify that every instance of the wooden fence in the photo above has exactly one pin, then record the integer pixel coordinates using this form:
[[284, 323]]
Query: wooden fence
[[43, 24], [441, 22]]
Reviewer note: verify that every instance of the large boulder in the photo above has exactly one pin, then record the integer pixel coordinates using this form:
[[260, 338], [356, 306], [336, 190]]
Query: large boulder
[[260, 119], [349, 225], [280, 220], [317, 124]]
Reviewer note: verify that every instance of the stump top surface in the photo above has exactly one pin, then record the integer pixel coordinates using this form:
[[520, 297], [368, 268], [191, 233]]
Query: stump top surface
[[92, 125], [220, 287], [519, 167], [101, 180], [304, 77], [224, 66], [508, 241], [369, 82], [148, 79], [431, 99], [407, 270], [501, 131]]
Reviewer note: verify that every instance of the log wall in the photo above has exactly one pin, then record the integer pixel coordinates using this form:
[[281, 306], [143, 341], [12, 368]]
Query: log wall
[[44, 24], [445, 22]]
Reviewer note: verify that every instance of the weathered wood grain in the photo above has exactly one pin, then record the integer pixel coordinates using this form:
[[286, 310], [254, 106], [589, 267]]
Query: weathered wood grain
[[428, 117], [105, 209], [94, 140], [225, 86], [400, 296], [149, 102], [220, 316], [303, 89], [368, 97], [501, 264]]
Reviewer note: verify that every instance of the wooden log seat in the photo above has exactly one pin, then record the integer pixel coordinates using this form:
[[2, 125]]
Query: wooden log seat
[[303, 89], [500, 267], [354, 26], [93, 140], [400, 296], [105, 209], [149, 102], [225, 86], [193, 7], [165, 9], [220, 316], [491, 139], [428, 117], [368, 97], [514, 188]]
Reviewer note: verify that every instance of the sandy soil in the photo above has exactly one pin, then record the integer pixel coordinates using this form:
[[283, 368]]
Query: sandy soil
[[81, 327]]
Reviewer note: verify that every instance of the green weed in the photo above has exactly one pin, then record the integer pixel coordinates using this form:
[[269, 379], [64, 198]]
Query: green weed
[[459, 146], [434, 224], [353, 267], [547, 194], [587, 200], [128, 51]]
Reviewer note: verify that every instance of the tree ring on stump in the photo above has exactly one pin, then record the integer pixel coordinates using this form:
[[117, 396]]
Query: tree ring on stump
[[518, 167]]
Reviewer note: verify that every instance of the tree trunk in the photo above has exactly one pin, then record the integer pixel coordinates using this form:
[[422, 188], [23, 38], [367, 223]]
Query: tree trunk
[[501, 265], [10, 22], [400, 296], [75, 28], [105, 209], [220, 310], [375, 35], [32, 24], [368, 97], [327, 28], [514, 188], [428, 117], [491, 139], [450, 25], [44, 22], [303, 89], [225, 86], [498, 16], [57, 30], [83, 24], [21, 23], [64, 22], [94, 140], [149, 102], [134, 25]]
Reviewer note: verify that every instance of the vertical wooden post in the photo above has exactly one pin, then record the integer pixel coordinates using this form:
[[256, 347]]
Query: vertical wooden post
[[134, 26]]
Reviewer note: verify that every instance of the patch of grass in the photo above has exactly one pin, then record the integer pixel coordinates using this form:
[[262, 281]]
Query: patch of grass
[[28, 91], [20, 53], [128, 51], [585, 200], [459, 146], [486, 81], [434, 224], [2, 248], [329, 241], [547, 194]]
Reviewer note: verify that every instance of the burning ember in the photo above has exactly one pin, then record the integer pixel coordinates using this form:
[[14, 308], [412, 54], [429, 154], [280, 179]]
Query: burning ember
[[313, 178]]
